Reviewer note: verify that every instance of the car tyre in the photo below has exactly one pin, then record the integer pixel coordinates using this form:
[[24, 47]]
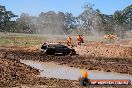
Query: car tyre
[[50, 51], [72, 52]]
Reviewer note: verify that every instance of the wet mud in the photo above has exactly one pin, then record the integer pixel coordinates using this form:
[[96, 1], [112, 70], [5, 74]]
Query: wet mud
[[14, 73]]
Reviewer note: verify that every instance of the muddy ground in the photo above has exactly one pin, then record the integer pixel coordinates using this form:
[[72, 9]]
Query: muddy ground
[[94, 56], [17, 75], [101, 49], [14, 73]]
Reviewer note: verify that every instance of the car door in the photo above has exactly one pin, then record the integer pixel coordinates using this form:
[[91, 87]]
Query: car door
[[62, 49]]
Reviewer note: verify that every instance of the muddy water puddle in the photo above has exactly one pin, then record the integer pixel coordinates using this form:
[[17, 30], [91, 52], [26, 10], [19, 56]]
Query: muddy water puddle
[[52, 70]]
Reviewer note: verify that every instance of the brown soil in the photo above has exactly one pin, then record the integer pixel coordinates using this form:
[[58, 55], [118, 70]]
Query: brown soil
[[14, 73], [101, 49], [126, 42], [18, 75], [120, 65]]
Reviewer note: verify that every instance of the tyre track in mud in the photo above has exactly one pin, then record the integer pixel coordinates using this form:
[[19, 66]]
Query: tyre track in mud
[[120, 65], [13, 73], [91, 63]]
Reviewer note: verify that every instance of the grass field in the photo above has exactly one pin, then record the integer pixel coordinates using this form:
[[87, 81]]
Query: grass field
[[12, 39], [20, 39]]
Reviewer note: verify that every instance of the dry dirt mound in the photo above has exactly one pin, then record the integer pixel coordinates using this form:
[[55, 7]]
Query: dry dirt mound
[[126, 42], [104, 50], [12, 71]]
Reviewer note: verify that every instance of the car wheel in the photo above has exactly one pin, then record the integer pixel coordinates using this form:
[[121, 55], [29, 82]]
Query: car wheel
[[72, 52], [65, 53], [50, 51]]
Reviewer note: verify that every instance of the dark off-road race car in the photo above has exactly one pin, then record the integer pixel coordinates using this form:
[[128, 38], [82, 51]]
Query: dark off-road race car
[[57, 48]]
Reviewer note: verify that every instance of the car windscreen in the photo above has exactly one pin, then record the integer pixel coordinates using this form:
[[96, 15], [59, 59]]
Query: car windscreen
[[62, 46]]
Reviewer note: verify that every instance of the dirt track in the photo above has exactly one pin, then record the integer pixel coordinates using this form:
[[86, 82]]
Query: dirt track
[[18, 75], [100, 49], [94, 56], [14, 73]]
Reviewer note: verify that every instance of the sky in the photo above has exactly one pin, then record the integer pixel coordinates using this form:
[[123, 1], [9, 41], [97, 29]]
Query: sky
[[35, 7]]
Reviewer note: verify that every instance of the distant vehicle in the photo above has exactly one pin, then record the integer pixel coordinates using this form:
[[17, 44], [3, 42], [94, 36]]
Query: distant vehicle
[[57, 48]]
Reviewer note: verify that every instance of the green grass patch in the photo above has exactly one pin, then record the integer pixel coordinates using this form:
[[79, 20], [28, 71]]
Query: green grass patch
[[20, 40]]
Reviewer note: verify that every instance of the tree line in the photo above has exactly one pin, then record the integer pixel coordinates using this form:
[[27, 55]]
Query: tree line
[[89, 22]]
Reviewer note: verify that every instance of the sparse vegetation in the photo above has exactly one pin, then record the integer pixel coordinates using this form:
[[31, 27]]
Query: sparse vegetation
[[21, 40]]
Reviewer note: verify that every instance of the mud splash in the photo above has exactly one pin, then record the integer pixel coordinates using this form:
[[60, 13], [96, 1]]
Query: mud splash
[[52, 70]]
